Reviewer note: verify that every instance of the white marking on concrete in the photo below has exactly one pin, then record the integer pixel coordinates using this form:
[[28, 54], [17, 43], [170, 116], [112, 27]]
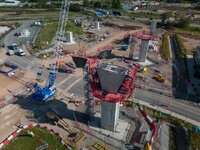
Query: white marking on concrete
[[63, 81], [69, 87], [170, 48], [6, 117]]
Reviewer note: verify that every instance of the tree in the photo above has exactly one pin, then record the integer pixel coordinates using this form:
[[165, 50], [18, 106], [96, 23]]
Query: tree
[[97, 4], [86, 3], [75, 7], [164, 18], [116, 4], [92, 3], [183, 22]]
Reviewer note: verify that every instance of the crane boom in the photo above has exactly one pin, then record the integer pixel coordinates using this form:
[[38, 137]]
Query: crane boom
[[48, 92], [63, 17]]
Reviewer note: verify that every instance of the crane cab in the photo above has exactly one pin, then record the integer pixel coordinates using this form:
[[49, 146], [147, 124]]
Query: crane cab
[[45, 94]]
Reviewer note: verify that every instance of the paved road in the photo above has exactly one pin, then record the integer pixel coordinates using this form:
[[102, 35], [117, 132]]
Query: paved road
[[178, 106], [22, 61], [10, 38]]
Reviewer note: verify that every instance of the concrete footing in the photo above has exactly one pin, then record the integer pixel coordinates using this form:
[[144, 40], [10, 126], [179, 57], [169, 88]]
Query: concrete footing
[[121, 128]]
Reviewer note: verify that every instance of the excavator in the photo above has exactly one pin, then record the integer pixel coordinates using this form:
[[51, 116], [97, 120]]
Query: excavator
[[159, 78]]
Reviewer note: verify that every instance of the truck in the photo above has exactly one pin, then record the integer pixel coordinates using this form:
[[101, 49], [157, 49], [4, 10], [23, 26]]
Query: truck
[[101, 13], [7, 68], [123, 47]]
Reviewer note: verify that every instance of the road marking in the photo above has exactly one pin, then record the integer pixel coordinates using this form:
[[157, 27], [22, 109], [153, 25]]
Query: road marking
[[64, 80], [16, 63], [6, 117], [69, 87]]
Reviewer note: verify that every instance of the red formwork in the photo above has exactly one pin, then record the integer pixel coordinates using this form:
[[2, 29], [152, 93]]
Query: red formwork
[[144, 36], [127, 35], [107, 47], [126, 89], [141, 35]]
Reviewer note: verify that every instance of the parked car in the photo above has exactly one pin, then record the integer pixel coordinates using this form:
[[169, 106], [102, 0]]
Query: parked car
[[21, 52], [116, 13], [17, 34], [10, 52]]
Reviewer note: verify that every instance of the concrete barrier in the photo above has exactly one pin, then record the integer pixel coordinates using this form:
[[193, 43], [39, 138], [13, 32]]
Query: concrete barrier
[[16, 133]]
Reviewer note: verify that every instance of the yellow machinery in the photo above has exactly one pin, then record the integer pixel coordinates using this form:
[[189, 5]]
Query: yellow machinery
[[144, 70], [100, 147], [54, 115], [147, 147], [159, 78]]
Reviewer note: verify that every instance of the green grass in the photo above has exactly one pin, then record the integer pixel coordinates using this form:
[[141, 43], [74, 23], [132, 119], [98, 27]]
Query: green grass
[[182, 51], [45, 56], [47, 33], [45, 36], [28, 10], [40, 14], [75, 29], [189, 31], [165, 46], [26, 142]]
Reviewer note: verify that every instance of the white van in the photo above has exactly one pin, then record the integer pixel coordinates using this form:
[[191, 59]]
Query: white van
[[10, 52], [21, 52]]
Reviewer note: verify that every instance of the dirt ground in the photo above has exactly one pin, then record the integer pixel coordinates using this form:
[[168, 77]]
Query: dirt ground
[[8, 85], [3, 29], [114, 33], [190, 44], [2, 55]]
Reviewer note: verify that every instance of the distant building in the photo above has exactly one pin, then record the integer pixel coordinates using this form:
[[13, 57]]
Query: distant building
[[9, 3]]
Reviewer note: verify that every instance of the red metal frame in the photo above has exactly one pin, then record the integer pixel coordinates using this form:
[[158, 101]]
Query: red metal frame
[[107, 47], [141, 35], [126, 89], [144, 36]]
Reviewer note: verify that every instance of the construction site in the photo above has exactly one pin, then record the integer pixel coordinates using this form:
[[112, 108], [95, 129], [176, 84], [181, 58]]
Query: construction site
[[83, 89]]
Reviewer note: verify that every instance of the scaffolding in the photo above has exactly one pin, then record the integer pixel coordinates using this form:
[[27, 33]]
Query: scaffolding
[[89, 99]]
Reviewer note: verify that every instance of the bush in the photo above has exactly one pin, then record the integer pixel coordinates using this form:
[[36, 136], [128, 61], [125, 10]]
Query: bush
[[75, 7], [183, 23], [165, 46], [97, 4], [116, 4]]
